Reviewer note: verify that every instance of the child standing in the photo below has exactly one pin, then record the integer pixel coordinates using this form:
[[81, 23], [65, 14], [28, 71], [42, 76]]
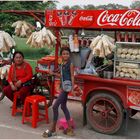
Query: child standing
[[67, 74]]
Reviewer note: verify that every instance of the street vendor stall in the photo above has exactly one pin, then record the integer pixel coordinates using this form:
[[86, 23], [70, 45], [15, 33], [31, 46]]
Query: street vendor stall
[[108, 91], [105, 99]]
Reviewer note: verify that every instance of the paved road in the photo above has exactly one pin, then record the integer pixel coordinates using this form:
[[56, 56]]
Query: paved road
[[11, 127]]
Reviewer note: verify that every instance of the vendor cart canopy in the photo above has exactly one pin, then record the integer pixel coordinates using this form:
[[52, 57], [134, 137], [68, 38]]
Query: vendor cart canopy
[[94, 19]]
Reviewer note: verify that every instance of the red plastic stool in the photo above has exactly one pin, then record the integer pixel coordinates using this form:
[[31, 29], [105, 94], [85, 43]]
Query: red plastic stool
[[34, 100], [15, 109]]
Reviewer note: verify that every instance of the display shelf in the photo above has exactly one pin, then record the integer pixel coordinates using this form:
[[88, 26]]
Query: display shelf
[[129, 71], [128, 61], [128, 43]]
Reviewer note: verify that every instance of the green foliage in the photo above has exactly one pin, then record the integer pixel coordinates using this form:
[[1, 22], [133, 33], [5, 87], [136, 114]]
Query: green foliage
[[49, 5], [44, 51], [92, 7], [10, 5], [111, 6], [33, 64], [89, 7], [135, 4], [6, 19], [66, 7], [76, 7], [31, 53], [24, 5]]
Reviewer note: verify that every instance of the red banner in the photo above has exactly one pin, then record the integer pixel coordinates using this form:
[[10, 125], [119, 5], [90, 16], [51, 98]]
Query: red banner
[[96, 19]]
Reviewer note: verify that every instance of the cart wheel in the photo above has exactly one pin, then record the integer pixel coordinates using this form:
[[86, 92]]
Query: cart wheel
[[104, 113], [1, 94]]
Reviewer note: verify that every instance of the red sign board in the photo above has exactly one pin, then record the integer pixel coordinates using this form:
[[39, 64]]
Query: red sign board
[[97, 19]]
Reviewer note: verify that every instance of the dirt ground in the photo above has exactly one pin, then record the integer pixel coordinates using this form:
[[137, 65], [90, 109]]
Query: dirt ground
[[12, 128]]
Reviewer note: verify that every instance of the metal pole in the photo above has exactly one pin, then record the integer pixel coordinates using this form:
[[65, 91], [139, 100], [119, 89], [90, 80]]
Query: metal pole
[[58, 44]]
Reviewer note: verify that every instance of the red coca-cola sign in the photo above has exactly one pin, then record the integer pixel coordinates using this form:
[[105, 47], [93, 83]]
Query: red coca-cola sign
[[128, 18], [86, 19], [106, 19]]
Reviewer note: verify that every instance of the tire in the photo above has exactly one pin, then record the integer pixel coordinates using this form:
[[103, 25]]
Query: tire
[[1, 94], [104, 113]]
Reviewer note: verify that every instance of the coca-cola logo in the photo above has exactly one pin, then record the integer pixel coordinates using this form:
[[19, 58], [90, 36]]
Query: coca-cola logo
[[129, 18], [86, 19]]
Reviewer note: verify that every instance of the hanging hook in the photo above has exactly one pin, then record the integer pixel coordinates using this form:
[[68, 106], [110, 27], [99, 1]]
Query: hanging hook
[[83, 33]]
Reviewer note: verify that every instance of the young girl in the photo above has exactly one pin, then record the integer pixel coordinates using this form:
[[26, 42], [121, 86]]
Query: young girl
[[68, 74]]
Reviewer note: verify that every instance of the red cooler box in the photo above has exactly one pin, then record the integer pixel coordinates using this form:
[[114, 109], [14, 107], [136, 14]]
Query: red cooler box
[[45, 64]]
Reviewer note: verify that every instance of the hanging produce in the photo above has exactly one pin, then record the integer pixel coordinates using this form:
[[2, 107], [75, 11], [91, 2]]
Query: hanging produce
[[39, 39], [6, 42], [102, 45], [4, 71], [74, 43], [22, 28]]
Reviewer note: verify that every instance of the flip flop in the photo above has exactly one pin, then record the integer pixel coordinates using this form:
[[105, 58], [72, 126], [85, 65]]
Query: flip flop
[[69, 132], [48, 133]]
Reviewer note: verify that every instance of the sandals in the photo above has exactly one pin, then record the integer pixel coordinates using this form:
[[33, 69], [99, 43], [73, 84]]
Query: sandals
[[69, 132], [48, 133]]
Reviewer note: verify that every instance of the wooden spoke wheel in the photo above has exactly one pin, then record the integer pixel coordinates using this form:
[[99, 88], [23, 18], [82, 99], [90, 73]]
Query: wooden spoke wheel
[[104, 113]]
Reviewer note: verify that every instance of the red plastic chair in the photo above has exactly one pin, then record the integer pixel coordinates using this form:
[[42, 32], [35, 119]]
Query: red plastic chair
[[15, 109], [32, 105]]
